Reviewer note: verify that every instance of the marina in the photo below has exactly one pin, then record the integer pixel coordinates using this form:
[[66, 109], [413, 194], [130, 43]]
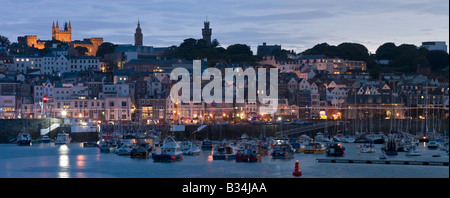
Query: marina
[[77, 160]]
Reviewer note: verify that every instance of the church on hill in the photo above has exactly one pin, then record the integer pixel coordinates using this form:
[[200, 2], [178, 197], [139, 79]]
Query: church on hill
[[64, 35]]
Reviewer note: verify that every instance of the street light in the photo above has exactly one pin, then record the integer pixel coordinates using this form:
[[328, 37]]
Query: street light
[[63, 113]]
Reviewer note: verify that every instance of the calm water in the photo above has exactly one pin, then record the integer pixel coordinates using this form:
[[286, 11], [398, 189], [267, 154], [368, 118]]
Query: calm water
[[76, 161]]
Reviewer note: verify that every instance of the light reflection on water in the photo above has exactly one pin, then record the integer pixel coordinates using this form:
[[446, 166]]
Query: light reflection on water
[[63, 160]]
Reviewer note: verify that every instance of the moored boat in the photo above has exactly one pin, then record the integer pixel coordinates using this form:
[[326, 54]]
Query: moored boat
[[314, 148], [106, 145], [168, 152], [44, 139], [63, 138], [248, 152], [367, 148], [224, 152], [125, 148], [263, 148], [189, 148], [335, 149], [282, 150], [376, 138], [90, 144], [413, 151], [140, 151], [432, 144], [23, 139], [207, 144]]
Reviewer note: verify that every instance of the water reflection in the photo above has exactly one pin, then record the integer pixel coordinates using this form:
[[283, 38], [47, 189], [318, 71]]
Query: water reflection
[[81, 161], [63, 160]]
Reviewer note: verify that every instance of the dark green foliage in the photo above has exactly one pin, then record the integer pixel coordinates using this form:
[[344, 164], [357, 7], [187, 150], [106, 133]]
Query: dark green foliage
[[105, 48], [4, 41]]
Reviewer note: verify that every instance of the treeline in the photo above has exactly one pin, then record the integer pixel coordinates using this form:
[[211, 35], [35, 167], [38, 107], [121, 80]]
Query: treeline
[[405, 58], [192, 49]]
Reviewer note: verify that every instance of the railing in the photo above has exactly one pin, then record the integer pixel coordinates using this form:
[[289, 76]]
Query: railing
[[305, 129], [47, 130]]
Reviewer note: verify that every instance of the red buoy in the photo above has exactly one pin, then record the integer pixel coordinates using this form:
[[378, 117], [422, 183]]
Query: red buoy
[[297, 171]]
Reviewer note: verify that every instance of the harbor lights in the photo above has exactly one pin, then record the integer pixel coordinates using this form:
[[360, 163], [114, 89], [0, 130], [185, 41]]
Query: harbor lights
[[63, 113]]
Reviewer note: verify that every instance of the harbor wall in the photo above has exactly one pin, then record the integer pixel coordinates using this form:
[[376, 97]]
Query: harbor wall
[[10, 128]]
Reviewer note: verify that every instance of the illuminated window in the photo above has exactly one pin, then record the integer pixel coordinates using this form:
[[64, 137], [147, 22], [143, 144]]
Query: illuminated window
[[147, 112]]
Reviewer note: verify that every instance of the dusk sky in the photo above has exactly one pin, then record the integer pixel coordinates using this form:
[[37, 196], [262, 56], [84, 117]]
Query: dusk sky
[[293, 24]]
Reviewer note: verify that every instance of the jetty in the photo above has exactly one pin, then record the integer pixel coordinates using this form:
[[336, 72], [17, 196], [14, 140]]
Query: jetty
[[379, 161]]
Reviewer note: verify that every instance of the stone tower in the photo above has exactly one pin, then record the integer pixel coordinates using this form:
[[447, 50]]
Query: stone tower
[[138, 35], [206, 32], [64, 35]]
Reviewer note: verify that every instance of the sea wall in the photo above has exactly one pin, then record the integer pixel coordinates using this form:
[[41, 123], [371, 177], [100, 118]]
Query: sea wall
[[10, 128]]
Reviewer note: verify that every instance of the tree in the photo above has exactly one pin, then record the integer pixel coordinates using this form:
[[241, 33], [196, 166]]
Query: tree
[[81, 51], [387, 51], [408, 58], [239, 49], [215, 43], [353, 51], [438, 59], [105, 48], [239, 53], [322, 49], [4, 41]]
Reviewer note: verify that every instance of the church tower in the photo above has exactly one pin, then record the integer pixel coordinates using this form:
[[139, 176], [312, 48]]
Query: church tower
[[138, 35], [64, 35], [206, 32]]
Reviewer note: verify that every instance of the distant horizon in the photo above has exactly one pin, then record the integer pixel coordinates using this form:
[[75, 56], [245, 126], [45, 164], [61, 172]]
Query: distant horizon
[[295, 25]]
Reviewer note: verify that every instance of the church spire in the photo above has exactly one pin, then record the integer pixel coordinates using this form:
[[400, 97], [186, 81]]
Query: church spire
[[138, 36]]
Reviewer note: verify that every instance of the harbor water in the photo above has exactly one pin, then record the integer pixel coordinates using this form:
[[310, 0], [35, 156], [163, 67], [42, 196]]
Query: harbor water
[[75, 161]]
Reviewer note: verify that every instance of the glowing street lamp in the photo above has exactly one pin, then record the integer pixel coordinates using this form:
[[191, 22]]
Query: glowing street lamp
[[63, 113]]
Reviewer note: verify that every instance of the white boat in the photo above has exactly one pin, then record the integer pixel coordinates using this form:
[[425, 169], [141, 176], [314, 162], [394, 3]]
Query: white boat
[[432, 145], [348, 139], [304, 139], [319, 137], [376, 138], [169, 151], [125, 148], [413, 151], [44, 139], [63, 138], [339, 137], [368, 148], [189, 148], [23, 138]]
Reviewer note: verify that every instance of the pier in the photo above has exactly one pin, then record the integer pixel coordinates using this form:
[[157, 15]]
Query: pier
[[397, 162]]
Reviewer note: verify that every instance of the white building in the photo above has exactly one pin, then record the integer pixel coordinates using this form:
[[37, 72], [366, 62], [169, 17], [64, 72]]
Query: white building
[[435, 45], [23, 63], [115, 90]]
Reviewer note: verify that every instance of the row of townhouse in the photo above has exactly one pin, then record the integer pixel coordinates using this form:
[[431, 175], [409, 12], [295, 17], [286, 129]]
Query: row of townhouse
[[51, 64]]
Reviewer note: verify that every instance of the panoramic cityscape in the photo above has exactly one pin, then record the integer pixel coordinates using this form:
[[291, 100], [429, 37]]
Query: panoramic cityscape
[[76, 102]]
